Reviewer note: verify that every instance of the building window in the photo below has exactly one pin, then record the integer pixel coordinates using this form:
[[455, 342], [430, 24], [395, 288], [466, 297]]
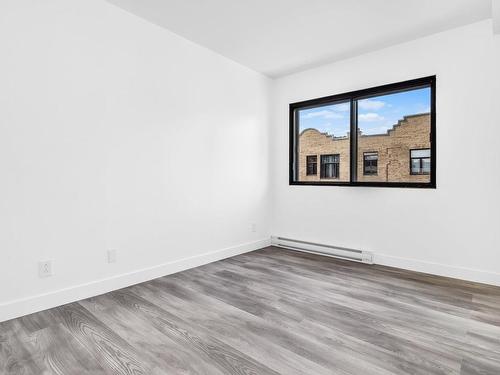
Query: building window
[[312, 165], [420, 161], [396, 122], [330, 166], [370, 161]]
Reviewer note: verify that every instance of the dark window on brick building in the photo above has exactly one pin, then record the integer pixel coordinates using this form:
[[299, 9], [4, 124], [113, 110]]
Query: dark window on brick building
[[312, 165], [370, 162], [420, 161], [330, 166]]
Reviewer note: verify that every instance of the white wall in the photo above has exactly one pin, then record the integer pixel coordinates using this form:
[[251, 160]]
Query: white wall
[[117, 134], [453, 230]]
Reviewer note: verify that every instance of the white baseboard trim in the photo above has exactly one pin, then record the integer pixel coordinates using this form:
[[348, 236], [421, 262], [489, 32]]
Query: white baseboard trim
[[468, 274], [29, 305], [456, 272]]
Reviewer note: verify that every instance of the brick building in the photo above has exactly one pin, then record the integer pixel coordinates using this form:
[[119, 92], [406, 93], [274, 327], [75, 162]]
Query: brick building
[[400, 155]]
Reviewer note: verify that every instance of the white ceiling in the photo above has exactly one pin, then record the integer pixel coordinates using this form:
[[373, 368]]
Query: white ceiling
[[277, 37]]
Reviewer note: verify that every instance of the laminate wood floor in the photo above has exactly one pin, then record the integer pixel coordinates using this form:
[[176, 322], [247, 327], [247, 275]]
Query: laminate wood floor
[[271, 311]]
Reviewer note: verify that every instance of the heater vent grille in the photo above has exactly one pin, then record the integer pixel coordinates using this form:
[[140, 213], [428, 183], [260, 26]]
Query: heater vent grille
[[329, 250]]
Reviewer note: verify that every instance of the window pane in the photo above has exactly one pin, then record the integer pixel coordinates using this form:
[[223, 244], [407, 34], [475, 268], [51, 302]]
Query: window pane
[[329, 171], [392, 125], [415, 166], [421, 153], [371, 156], [324, 130], [329, 159], [426, 166]]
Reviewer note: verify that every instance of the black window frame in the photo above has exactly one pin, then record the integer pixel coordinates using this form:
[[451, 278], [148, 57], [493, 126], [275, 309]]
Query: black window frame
[[313, 163], [353, 97], [322, 164], [420, 162], [364, 163]]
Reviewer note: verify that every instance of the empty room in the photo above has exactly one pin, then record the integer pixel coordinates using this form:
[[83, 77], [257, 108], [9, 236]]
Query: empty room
[[250, 187]]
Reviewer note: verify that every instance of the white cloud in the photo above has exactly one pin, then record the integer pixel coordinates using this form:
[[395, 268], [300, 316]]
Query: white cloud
[[326, 114], [371, 116], [368, 104]]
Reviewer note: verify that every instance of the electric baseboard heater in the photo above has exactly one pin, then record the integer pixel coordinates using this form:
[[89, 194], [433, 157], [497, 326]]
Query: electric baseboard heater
[[328, 250]]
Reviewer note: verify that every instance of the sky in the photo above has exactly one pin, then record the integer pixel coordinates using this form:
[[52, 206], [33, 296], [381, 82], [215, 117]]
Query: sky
[[376, 115]]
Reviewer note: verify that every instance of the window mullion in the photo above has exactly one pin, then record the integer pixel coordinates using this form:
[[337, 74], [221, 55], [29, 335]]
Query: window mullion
[[354, 142]]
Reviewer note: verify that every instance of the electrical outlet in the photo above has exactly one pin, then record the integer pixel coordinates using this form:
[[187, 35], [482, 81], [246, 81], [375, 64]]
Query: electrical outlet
[[45, 268], [112, 256], [254, 227]]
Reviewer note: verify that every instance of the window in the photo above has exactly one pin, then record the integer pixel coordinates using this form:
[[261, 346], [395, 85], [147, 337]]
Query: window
[[320, 126], [330, 166], [366, 137], [420, 161], [370, 161], [312, 162]]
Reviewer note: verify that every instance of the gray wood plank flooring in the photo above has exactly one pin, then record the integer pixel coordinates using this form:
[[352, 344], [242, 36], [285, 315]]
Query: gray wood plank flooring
[[271, 311]]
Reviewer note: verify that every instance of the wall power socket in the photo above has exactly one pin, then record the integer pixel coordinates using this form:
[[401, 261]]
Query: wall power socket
[[45, 268]]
